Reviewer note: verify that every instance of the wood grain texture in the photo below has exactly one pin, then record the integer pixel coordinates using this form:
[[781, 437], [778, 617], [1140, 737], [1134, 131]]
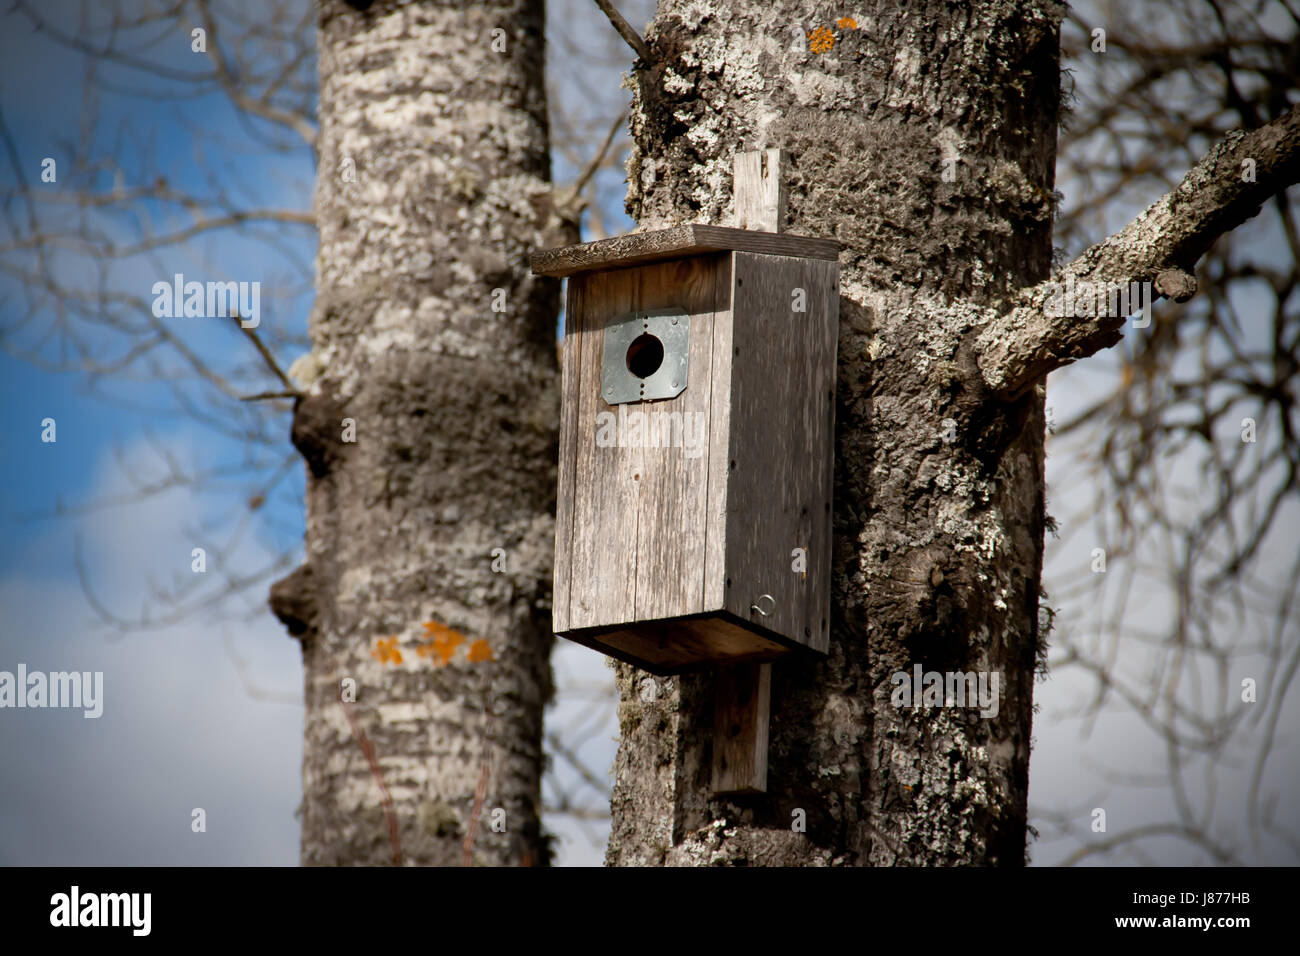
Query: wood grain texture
[[637, 538], [758, 190], [741, 692], [669, 554], [715, 520], [670, 549], [603, 565], [742, 705], [675, 243], [570, 387], [781, 428], [648, 536]]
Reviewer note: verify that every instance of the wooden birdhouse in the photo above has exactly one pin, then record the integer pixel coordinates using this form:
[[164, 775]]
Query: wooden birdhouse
[[694, 502]]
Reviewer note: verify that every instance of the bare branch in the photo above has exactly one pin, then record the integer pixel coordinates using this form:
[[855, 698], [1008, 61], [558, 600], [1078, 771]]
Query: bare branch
[[580, 183], [264, 396], [625, 30], [267, 357], [1160, 246], [259, 106], [569, 203]]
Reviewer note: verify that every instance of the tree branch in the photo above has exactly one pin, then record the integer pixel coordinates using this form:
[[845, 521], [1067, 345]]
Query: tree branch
[[1161, 246], [257, 107], [569, 203], [625, 30], [267, 357]]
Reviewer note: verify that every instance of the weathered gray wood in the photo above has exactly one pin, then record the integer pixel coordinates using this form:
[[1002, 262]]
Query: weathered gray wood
[[670, 539], [758, 190], [570, 387], [675, 243], [638, 538], [603, 568], [715, 521], [740, 731], [742, 704], [780, 434]]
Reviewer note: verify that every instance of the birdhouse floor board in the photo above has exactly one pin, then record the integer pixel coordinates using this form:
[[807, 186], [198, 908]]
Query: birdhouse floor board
[[681, 644], [675, 243]]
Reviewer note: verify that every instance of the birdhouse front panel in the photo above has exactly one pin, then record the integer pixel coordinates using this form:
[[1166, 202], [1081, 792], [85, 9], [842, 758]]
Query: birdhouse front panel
[[693, 514], [640, 476]]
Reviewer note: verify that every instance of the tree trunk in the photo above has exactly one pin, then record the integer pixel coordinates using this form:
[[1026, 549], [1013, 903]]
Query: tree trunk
[[435, 345], [924, 139]]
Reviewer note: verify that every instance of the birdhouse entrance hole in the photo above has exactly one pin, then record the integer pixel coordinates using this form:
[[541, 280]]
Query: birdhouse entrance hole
[[645, 355]]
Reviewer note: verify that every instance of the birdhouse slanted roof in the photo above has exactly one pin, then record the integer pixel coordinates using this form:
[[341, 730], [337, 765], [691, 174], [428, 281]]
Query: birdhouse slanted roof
[[678, 242]]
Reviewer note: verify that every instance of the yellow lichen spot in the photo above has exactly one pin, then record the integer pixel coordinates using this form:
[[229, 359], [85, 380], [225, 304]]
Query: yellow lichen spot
[[821, 40], [442, 644], [385, 651], [846, 23], [479, 651]]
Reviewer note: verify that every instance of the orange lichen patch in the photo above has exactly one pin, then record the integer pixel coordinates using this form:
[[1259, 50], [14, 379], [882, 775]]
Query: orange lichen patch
[[385, 651], [846, 23], [442, 644], [821, 40], [480, 651], [434, 630]]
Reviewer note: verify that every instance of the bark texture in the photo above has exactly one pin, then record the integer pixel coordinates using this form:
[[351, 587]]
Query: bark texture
[[939, 483], [433, 188]]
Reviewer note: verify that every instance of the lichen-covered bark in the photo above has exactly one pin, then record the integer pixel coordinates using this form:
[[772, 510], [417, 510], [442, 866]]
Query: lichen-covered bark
[[938, 543], [433, 189]]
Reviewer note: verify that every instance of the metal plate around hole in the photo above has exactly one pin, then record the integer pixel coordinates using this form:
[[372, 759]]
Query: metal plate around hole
[[672, 327]]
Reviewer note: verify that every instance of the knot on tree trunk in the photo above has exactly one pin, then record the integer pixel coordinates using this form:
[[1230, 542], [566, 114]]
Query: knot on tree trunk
[[293, 601], [318, 432]]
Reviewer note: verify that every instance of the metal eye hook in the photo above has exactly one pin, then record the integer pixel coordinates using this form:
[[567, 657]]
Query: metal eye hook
[[755, 607]]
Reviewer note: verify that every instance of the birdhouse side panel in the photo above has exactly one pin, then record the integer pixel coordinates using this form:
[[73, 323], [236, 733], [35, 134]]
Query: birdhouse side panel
[[778, 515]]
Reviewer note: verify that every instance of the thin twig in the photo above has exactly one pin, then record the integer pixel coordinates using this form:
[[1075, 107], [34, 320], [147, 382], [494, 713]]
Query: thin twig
[[580, 183], [267, 357], [259, 106], [262, 396]]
